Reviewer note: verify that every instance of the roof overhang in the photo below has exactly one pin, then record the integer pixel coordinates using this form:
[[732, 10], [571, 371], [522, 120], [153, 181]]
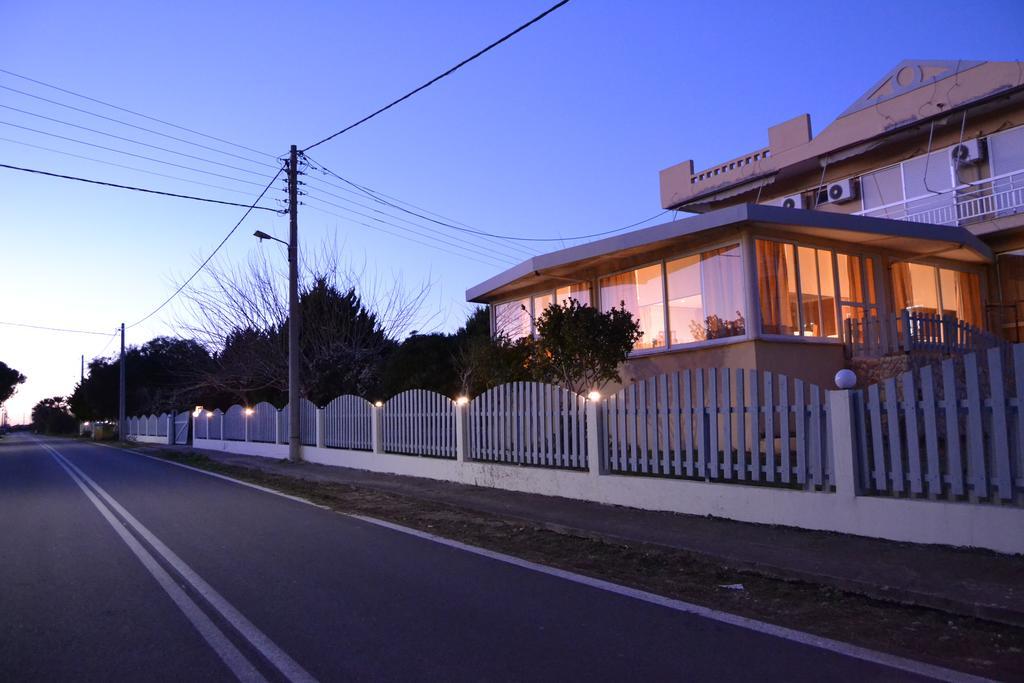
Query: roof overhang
[[586, 261]]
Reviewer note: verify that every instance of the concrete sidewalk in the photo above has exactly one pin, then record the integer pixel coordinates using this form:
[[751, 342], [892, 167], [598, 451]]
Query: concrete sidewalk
[[967, 582]]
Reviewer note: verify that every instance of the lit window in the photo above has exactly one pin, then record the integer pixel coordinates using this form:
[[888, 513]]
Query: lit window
[[511, 320], [706, 296], [640, 291], [921, 288]]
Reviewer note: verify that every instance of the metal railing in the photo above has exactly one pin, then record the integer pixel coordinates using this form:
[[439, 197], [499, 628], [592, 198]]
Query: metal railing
[[980, 200], [915, 333]]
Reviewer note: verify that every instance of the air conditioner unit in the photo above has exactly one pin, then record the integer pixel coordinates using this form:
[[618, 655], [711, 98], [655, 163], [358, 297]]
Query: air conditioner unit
[[841, 191], [793, 201], [967, 152]]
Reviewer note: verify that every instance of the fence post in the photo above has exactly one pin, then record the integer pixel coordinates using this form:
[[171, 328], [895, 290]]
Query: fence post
[[462, 431], [245, 422], [842, 418], [376, 432], [907, 337], [171, 428], [595, 437], [321, 428]]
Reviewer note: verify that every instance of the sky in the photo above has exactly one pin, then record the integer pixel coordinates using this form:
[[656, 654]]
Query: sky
[[559, 132]]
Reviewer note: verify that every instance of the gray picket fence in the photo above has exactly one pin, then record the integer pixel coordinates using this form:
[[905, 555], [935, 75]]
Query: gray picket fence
[[529, 423], [419, 422], [951, 432], [234, 424], [720, 425], [262, 423], [307, 423], [348, 423]]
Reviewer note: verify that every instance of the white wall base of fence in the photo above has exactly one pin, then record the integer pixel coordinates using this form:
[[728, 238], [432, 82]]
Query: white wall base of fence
[[918, 521], [164, 440]]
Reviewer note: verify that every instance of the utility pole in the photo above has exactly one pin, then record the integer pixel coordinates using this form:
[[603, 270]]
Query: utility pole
[[82, 376], [294, 401], [120, 398]]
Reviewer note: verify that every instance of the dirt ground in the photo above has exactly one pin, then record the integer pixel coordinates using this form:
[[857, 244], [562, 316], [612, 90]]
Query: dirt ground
[[970, 645]]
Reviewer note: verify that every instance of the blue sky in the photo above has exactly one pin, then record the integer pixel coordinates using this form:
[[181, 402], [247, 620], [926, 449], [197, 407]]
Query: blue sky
[[561, 131]]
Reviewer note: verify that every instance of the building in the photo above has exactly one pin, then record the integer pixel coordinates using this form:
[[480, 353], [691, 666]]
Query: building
[[897, 230]]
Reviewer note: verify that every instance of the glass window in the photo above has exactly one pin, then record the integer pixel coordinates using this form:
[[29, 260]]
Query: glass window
[[928, 289], [776, 286], [938, 179], [827, 294], [1006, 150], [882, 187], [579, 291], [511, 320], [640, 291], [685, 304], [723, 290]]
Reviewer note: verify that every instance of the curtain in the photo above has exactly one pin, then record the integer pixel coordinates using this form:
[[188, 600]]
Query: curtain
[[969, 304], [902, 288], [722, 292], [772, 285]]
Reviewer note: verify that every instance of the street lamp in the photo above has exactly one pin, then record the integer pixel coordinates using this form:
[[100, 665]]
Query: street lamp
[[294, 433]]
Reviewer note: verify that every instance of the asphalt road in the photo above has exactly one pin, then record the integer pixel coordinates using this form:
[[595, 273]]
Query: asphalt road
[[118, 567]]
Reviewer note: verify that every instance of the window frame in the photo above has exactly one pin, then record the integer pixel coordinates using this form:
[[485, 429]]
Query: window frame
[[531, 313]]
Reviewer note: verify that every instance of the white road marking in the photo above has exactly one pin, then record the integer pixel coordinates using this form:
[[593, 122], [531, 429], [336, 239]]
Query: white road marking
[[259, 640], [854, 651], [216, 639]]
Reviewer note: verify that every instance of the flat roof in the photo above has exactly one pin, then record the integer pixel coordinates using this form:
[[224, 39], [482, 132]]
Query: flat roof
[[902, 237]]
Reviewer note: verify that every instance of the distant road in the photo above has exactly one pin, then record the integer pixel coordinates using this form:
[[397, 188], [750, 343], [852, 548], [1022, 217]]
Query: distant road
[[118, 567]]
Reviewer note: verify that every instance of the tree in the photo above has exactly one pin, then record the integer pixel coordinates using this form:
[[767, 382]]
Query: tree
[[483, 361], [9, 381], [580, 347], [53, 416]]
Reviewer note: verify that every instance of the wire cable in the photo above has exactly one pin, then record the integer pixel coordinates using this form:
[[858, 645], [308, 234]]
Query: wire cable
[[135, 113], [136, 189], [435, 79], [117, 165], [213, 253], [51, 329], [137, 127], [134, 141], [474, 231], [130, 154]]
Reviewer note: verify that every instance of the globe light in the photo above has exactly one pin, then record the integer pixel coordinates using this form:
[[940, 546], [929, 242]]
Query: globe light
[[462, 400], [594, 395], [846, 379], [379, 404]]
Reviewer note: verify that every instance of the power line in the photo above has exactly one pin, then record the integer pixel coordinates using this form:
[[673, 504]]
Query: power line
[[499, 259], [213, 253], [517, 251], [137, 127], [136, 189], [403, 237], [435, 79], [135, 113], [133, 141], [51, 329], [117, 165], [373, 195], [130, 154]]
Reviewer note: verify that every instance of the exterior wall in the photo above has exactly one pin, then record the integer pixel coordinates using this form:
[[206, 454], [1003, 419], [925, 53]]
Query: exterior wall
[[812, 361], [920, 521]]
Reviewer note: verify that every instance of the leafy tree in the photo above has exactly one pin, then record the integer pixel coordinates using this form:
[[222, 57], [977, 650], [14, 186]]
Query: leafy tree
[[9, 381], [53, 416], [422, 361], [580, 347], [484, 361]]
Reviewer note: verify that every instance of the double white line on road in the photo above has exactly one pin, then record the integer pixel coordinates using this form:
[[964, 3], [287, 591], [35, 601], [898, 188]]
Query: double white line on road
[[214, 636]]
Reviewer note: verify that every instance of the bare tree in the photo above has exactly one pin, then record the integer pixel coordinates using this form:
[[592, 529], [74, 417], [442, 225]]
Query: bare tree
[[350, 318]]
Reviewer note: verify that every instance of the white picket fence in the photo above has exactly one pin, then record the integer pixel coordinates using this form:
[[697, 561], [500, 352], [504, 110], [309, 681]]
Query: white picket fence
[[720, 425], [529, 423], [307, 423], [348, 423], [953, 432], [419, 422], [262, 423]]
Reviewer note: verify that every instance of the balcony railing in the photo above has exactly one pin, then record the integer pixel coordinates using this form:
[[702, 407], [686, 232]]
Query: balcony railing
[[977, 201], [915, 333]]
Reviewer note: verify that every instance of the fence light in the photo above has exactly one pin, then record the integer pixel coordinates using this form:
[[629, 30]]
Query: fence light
[[209, 413], [462, 400], [197, 412], [86, 423], [594, 395], [379, 404], [249, 411]]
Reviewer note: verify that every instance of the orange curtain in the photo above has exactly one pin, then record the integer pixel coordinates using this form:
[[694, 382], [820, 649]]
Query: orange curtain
[[772, 285], [970, 299], [902, 289]]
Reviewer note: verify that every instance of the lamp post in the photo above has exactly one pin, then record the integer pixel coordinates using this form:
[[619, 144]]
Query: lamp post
[[294, 435]]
